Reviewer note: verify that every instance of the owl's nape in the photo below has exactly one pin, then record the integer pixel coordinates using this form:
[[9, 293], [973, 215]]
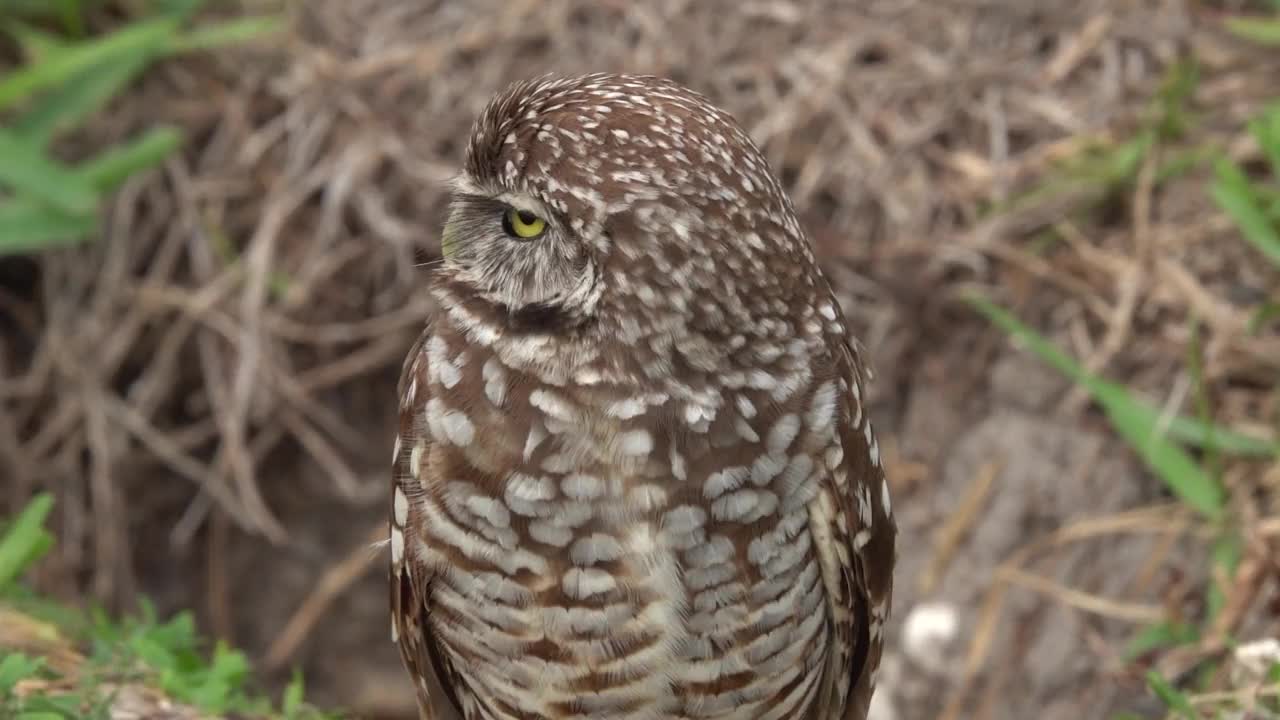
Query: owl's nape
[[634, 477]]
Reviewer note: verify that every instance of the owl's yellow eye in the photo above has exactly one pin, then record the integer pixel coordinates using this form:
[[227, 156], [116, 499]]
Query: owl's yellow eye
[[523, 224]]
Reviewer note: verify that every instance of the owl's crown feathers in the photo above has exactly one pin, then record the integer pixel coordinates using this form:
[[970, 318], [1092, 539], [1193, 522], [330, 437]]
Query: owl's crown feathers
[[631, 217]]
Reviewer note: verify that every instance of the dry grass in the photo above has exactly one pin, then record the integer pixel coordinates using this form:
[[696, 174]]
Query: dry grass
[[240, 321]]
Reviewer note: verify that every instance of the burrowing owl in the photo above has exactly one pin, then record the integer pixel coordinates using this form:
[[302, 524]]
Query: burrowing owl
[[634, 477]]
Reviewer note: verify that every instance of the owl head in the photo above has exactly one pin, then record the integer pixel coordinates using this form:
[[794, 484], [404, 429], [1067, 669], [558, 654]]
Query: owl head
[[630, 214]]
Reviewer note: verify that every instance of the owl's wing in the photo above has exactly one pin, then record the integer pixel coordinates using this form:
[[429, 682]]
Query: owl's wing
[[410, 580], [855, 535]]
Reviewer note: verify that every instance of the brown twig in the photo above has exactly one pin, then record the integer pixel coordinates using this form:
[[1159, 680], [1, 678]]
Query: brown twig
[[332, 584]]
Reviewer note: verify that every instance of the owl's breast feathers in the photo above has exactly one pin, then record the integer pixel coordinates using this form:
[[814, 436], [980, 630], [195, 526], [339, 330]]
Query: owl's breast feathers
[[719, 546]]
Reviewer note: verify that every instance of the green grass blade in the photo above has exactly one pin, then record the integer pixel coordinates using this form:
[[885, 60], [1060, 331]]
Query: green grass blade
[[36, 44], [144, 38], [27, 226], [181, 10], [29, 172], [25, 539], [1265, 31], [1170, 462], [292, 698], [1173, 698], [71, 13], [1137, 422], [1031, 339], [1225, 552], [14, 667], [226, 33], [1183, 428], [1160, 636], [36, 9], [1265, 313], [112, 167], [69, 104], [1207, 436], [1266, 129], [1232, 191]]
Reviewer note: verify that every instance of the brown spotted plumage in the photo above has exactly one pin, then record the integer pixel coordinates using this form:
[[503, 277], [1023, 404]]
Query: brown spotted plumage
[[633, 477]]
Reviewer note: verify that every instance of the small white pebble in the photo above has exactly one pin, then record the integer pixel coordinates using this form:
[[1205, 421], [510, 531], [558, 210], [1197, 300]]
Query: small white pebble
[[1254, 659], [927, 632]]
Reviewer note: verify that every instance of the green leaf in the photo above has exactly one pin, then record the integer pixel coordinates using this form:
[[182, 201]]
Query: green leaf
[[1265, 314], [1266, 129], [63, 706], [143, 38], [1161, 635], [291, 701], [26, 226], [226, 33], [181, 10], [1176, 91], [111, 168], [26, 169], [1265, 31], [1172, 464], [15, 667], [1173, 698], [1137, 422], [36, 44], [1226, 552], [1208, 436], [1232, 191], [25, 540], [68, 104], [1186, 429], [72, 15]]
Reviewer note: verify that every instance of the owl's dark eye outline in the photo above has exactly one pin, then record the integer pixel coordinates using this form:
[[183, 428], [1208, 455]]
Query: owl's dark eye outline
[[522, 224]]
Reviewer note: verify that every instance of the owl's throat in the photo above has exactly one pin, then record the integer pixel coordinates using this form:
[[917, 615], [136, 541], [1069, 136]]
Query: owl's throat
[[542, 318]]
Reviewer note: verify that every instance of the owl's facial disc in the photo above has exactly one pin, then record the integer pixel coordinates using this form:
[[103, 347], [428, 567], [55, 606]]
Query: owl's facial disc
[[515, 254]]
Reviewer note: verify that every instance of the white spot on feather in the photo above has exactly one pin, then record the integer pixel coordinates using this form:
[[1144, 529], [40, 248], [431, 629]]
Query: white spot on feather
[[397, 545], [595, 548], [583, 583], [635, 442], [677, 464], [822, 408], [626, 409], [582, 487], [400, 507], [415, 458], [458, 428], [782, 433], [648, 497], [411, 392], [495, 381]]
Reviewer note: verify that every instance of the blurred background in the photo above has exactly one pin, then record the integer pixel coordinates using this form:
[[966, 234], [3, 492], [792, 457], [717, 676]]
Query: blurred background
[[1054, 225]]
